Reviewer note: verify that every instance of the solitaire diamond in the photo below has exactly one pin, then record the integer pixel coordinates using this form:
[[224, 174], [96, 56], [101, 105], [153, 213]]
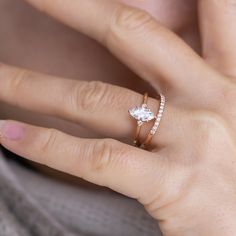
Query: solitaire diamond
[[143, 114]]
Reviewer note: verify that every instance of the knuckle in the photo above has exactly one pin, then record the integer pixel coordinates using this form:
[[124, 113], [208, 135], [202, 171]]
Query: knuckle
[[131, 18], [89, 96], [128, 18], [208, 125], [18, 80], [47, 144], [103, 155]]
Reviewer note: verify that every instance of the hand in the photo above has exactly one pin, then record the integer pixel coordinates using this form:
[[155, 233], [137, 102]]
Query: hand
[[187, 180], [51, 56]]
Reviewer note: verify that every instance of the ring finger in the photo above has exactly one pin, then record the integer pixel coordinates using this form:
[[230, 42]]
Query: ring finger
[[102, 107]]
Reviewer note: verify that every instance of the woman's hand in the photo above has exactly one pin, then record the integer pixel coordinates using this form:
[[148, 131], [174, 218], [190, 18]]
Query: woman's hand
[[187, 180], [58, 50]]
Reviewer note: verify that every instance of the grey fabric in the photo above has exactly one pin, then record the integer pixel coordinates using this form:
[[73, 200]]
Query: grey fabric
[[33, 204]]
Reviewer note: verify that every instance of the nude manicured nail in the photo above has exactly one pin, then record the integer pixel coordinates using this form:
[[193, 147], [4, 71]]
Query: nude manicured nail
[[11, 130]]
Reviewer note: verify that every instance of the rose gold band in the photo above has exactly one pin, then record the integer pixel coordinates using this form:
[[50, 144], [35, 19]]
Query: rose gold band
[[139, 124], [143, 114], [155, 127]]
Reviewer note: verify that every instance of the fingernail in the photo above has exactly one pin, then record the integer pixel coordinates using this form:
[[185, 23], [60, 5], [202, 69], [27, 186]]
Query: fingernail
[[11, 130]]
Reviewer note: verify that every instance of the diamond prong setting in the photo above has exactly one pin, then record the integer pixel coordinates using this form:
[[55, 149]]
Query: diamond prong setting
[[142, 114]]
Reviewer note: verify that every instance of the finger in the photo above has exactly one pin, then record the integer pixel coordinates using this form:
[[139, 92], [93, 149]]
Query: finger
[[218, 28], [137, 39], [151, 6], [99, 106], [109, 163]]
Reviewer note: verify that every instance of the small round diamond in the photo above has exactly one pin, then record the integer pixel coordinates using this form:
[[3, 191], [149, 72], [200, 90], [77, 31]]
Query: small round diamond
[[159, 116]]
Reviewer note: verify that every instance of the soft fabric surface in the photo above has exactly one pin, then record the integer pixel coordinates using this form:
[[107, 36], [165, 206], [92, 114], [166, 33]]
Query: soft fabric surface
[[33, 204]]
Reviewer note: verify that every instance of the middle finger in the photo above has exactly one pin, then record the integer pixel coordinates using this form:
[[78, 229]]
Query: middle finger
[[135, 37]]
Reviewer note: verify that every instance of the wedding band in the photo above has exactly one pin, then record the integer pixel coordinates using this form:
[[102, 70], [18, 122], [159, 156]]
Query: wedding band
[[155, 127], [142, 114]]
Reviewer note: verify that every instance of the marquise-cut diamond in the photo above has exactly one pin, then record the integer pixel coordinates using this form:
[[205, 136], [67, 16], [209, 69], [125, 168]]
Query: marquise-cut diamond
[[143, 113]]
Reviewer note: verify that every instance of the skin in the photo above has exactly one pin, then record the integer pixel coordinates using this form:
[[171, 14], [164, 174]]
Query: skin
[[186, 180], [83, 53], [47, 55]]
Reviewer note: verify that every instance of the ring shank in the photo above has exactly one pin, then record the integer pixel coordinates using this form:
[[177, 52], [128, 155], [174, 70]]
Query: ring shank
[[139, 125]]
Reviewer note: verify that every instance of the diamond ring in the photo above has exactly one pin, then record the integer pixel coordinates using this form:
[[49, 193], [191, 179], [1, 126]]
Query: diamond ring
[[143, 114]]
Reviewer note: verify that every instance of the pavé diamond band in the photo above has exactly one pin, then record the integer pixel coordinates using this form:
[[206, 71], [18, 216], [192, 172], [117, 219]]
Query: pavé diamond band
[[143, 114], [155, 127]]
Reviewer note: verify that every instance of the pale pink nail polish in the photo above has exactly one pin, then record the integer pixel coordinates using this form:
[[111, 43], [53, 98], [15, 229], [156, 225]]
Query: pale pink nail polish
[[11, 130]]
